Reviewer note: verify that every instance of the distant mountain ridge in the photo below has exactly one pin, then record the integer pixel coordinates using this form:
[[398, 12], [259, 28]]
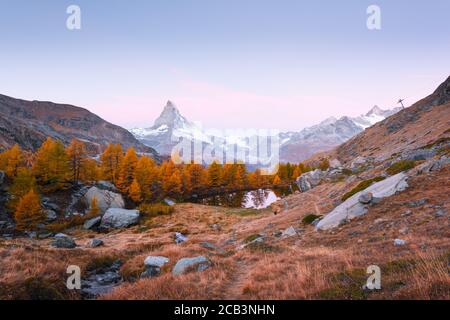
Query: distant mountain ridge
[[29, 123], [294, 145]]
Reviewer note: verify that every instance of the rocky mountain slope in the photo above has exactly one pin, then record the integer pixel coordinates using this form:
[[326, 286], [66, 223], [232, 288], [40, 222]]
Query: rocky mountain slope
[[295, 146], [418, 126], [29, 123]]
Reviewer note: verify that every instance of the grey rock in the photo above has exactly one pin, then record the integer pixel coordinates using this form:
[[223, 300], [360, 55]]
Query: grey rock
[[51, 214], [365, 197], [92, 223], [439, 213], [155, 261], [199, 263], [407, 213], [105, 199], [399, 242], [94, 243], [63, 241], [310, 180], [169, 202], [418, 154], [44, 235], [358, 163], [116, 218], [289, 232], [352, 208], [180, 238], [417, 203], [106, 185], [215, 226]]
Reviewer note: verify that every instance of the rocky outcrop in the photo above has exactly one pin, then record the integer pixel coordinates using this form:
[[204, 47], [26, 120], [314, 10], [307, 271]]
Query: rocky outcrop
[[310, 180], [62, 240], [357, 204], [105, 199], [92, 223], [115, 218], [184, 265]]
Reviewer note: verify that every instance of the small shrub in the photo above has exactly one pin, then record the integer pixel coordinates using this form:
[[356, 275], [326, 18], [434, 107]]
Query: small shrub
[[400, 166], [309, 218], [155, 209], [361, 186]]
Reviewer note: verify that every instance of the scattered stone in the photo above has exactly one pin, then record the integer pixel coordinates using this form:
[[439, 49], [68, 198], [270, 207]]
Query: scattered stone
[[407, 213], [44, 235], [153, 265], [399, 242], [215, 226], [183, 265], [92, 223], [62, 240], [365, 197], [94, 243], [169, 202], [100, 283], [417, 203], [180, 238], [277, 234], [119, 218], [289, 232], [51, 214], [440, 213], [358, 163]]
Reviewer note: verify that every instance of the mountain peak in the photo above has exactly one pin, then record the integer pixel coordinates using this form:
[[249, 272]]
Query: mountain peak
[[375, 110]]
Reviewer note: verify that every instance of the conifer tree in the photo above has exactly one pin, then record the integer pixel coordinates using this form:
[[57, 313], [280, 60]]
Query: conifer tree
[[76, 152], [110, 161], [11, 160], [23, 182], [127, 170], [276, 180], [29, 212], [51, 165], [147, 176], [214, 175], [134, 191]]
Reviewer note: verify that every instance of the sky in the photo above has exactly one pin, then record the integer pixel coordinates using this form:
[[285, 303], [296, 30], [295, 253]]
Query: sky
[[282, 64]]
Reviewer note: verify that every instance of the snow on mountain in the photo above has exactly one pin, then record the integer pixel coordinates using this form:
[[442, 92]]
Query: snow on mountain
[[295, 145]]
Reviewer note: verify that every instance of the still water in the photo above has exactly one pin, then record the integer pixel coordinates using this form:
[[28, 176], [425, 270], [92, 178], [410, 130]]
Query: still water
[[256, 199]]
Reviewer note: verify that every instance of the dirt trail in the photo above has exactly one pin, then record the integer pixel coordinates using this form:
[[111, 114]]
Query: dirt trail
[[233, 289]]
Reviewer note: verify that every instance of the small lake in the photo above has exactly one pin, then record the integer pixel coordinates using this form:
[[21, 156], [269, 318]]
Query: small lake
[[255, 199]]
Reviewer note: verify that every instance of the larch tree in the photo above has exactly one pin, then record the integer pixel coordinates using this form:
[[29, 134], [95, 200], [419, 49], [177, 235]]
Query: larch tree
[[276, 180], [214, 175], [110, 161], [147, 176], [198, 178], [134, 191], [127, 170], [23, 182], [76, 152], [51, 166], [29, 212], [11, 160]]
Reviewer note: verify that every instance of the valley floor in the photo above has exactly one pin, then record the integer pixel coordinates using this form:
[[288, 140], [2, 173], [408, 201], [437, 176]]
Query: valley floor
[[307, 265]]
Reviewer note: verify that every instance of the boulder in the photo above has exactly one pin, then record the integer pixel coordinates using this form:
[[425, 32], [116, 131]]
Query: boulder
[[106, 185], [309, 180], [431, 165], [399, 242], [183, 265], [92, 223], [94, 243], [105, 199], [116, 218], [289, 232], [180, 238], [153, 265], [51, 214], [352, 207], [365, 197], [358, 163], [62, 240]]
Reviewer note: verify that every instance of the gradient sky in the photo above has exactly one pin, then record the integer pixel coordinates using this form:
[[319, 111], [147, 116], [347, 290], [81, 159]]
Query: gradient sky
[[229, 63]]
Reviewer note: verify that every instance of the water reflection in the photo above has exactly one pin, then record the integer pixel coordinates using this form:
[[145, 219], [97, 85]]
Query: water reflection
[[257, 199]]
